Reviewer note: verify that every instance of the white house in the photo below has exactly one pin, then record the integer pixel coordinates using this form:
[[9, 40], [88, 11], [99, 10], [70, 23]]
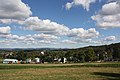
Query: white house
[[28, 60], [65, 60], [37, 60], [10, 61], [42, 53]]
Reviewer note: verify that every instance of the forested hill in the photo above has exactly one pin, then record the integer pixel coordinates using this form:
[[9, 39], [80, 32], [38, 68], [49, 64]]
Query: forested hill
[[117, 45], [103, 52], [94, 53]]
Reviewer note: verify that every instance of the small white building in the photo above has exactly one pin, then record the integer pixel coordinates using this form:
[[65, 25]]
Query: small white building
[[42, 53], [10, 61], [62, 60], [28, 60], [37, 60], [65, 60]]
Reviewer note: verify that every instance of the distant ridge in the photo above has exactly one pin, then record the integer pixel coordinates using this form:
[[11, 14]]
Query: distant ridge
[[113, 44]]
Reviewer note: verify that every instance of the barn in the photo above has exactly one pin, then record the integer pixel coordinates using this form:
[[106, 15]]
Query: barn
[[10, 61]]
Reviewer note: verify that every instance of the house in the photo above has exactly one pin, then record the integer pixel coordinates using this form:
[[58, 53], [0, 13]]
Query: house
[[63, 60], [10, 61], [28, 60], [37, 60]]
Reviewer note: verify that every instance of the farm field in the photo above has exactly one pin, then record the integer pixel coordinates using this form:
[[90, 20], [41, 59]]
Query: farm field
[[79, 71]]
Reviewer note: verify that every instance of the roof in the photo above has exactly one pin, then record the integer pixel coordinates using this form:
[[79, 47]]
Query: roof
[[10, 60], [37, 58]]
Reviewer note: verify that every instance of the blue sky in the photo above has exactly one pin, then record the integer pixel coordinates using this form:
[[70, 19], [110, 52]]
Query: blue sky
[[58, 23]]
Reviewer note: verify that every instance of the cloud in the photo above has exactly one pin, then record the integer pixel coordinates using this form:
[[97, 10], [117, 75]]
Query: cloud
[[84, 3], [9, 36], [84, 34], [16, 37], [29, 39], [69, 42], [80, 35], [69, 5], [52, 28], [110, 38], [112, 8], [9, 21], [47, 31], [5, 30], [108, 16], [45, 37], [14, 9], [45, 26]]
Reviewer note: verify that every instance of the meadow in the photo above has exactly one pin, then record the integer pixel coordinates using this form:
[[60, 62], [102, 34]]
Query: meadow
[[78, 71]]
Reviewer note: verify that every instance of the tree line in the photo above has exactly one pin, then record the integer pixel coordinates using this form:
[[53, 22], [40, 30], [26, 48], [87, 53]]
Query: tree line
[[86, 54]]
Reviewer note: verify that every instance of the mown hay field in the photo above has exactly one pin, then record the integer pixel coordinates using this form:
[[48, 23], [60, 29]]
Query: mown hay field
[[79, 71]]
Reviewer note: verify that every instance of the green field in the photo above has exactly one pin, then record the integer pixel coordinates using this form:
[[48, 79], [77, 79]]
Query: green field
[[79, 71]]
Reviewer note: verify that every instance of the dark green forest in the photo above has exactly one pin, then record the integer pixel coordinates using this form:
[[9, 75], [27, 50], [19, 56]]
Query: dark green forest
[[86, 54]]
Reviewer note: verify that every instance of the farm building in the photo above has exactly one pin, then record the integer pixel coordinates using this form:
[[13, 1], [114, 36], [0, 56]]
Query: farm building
[[37, 60], [63, 60], [28, 60], [10, 61]]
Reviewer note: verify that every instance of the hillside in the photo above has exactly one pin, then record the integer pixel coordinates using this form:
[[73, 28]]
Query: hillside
[[91, 53]]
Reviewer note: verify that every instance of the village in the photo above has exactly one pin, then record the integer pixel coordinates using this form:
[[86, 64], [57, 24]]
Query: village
[[105, 53], [32, 61]]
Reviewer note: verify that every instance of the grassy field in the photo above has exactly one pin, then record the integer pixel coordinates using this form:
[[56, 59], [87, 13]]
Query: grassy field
[[80, 71]]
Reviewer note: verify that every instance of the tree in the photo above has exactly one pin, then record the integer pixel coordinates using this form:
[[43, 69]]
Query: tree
[[116, 53], [90, 56], [21, 55], [69, 55], [82, 56]]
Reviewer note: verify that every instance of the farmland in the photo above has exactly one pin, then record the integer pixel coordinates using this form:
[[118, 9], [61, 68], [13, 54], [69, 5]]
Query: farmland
[[76, 71]]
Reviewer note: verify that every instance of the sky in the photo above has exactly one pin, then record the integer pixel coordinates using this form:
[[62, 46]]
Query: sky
[[59, 23]]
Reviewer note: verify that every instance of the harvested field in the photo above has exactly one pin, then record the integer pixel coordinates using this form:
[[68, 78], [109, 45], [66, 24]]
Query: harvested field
[[80, 71]]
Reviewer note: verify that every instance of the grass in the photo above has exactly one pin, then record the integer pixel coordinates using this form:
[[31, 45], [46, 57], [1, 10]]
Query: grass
[[80, 71]]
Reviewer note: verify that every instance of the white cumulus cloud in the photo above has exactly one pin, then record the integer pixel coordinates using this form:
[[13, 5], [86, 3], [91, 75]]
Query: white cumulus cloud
[[82, 33], [69, 5], [69, 42], [108, 16], [110, 38], [5, 30], [45, 36], [14, 9], [52, 28], [45, 26], [84, 3]]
